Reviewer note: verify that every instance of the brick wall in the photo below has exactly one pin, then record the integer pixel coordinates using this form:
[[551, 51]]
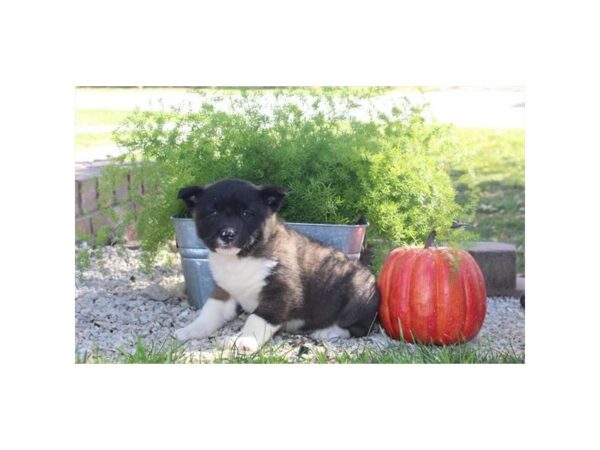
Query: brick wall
[[89, 217]]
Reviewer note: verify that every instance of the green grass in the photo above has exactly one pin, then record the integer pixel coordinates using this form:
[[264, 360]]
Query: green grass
[[498, 158], [89, 140], [130, 89], [169, 352], [86, 117], [91, 117], [422, 354], [237, 89], [83, 261], [234, 90]]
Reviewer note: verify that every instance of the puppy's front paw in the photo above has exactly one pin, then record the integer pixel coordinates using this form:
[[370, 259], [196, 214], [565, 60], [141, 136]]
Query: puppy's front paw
[[246, 344], [243, 344], [189, 332], [227, 342], [182, 334]]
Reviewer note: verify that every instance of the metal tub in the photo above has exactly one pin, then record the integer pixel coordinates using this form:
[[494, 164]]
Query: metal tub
[[194, 254]]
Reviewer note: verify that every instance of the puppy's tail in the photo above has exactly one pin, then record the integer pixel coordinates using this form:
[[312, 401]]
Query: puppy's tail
[[365, 257]]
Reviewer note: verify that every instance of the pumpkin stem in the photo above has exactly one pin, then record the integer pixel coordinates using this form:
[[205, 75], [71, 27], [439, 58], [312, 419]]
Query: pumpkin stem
[[430, 239]]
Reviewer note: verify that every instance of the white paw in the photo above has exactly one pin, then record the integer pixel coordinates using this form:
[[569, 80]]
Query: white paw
[[185, 333], [331, 332], [246, 344], [243, 344], [225, 342], [182, 334]]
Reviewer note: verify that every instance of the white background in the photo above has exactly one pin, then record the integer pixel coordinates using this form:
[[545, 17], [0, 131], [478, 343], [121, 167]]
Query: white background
[[50, 47]]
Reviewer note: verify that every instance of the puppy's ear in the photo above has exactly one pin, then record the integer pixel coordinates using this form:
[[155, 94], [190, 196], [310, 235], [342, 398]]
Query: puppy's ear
[[190, 195], [273, 196]]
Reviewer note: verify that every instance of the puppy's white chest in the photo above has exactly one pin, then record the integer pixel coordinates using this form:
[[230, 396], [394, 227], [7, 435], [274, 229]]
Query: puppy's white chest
[[242, 277]]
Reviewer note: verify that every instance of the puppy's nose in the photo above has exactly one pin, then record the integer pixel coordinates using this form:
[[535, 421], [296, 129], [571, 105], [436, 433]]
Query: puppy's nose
[[227, 235]]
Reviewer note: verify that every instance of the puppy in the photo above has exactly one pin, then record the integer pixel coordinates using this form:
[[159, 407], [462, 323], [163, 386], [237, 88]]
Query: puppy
[[282, 278]]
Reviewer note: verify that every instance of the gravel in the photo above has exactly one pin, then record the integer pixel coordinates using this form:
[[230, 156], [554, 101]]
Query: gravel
[[116, 303]]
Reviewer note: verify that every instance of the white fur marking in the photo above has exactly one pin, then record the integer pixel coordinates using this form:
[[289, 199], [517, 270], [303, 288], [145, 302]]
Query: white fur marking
[[255, 333], [213, 316], [294, 325], [228, 251], [334, 331], [242, 277], [259, 328]]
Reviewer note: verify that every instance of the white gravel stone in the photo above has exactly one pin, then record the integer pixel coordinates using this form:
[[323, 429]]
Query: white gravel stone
[[113, 308]]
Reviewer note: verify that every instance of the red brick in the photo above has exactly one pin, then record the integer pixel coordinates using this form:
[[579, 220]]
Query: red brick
[[104, 218], [107, 192], [122, 190], [136, 184], [101, 219], [77, 199], [130, 233], [89, 195], [136, 209], [83, 228], [125, 209]]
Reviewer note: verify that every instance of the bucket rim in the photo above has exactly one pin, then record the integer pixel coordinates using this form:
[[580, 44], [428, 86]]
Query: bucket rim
[[308, 224]]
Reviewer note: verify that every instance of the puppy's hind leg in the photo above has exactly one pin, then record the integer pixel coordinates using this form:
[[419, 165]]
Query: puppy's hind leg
[[359, 315], [332, 332]]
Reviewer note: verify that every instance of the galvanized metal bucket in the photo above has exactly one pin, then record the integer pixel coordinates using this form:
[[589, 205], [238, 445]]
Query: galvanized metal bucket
[[194, 254]]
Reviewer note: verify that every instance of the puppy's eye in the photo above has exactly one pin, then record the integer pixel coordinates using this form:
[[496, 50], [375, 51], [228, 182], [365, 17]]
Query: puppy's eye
[[212, 213], [246, 213]]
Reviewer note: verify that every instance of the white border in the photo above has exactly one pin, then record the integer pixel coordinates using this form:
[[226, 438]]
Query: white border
[[55, 46]]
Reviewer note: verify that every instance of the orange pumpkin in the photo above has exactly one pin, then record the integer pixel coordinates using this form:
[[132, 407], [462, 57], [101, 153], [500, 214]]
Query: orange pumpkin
[[431, 295]]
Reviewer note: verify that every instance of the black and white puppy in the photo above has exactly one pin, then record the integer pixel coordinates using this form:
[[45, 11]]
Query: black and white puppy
[[282, 278]]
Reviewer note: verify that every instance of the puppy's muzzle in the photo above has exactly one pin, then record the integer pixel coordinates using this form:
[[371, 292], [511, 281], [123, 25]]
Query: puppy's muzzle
[[227, 235]]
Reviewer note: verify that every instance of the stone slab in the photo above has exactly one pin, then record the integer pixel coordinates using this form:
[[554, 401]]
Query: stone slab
[[88, 170], [498, 263]]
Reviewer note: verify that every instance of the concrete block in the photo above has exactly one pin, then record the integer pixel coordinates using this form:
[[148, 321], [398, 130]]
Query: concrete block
[[131, 234], [88, 170], [83, 228], [520, 284], [110, 218], [77, 199], [102, 219], [498, 263], [122, 190], [89, 195], [90, 216], [136, 183], [112, 193]]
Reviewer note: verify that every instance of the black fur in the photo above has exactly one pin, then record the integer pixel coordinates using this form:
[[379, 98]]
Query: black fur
[[312, 282], [190, 195]]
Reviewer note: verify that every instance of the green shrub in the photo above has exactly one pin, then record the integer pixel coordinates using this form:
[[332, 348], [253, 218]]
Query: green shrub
[[339, 158]]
